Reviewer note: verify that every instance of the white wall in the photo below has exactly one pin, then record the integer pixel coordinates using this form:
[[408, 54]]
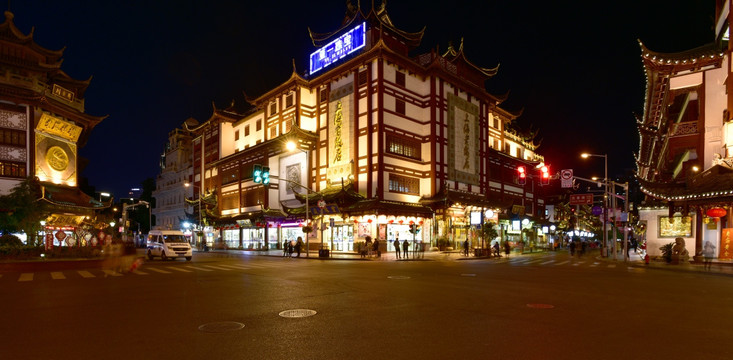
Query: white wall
[[654, 242]]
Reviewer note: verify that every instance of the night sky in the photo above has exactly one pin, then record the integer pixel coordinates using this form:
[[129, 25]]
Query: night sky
[[573, 68]]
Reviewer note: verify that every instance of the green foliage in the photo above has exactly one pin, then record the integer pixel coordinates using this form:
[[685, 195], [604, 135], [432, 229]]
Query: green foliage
[[667, 252], [23, 209], [443, 243], [10, 240], [488, 233]]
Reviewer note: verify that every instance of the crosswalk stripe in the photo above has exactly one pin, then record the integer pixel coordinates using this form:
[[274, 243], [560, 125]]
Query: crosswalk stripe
[[548, 262], [217, 267], [158, 270], [198, 268], [595, 264], [26, 277], [562, 263], [235, 267], [178, 269], [85, 274], [57, 275], [111, 272]]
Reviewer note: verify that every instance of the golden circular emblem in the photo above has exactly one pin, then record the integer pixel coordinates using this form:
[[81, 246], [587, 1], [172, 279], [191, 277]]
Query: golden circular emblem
[[57, 159]]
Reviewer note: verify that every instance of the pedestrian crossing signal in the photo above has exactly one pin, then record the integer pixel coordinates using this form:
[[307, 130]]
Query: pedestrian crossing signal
[[265, 175], [257, 174]]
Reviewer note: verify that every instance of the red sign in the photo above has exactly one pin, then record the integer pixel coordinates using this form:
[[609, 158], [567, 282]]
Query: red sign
[[581, 199], [726, 245]]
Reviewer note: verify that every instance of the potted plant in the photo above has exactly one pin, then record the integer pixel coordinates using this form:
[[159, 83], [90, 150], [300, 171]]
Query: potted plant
[[667, 252], [443, 243]]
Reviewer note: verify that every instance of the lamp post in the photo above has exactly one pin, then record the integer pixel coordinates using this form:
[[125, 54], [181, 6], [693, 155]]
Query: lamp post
[[198, 203], [290, 147], [605, 197]]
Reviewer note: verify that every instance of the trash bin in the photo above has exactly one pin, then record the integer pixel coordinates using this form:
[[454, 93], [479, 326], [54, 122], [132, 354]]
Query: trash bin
[[324, 253]]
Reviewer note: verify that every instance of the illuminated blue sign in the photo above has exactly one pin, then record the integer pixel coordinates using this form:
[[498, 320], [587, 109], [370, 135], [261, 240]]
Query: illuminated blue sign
[[346, 44]]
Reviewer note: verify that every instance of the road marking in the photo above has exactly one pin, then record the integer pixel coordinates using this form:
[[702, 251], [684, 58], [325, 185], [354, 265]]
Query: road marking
[[218, 267], [548, 262], [85, 274], [233, 267], [138, 272], [240, 267], [562, 263], [26, 277], [198, 268], [57, 275], [158, 270], [579, 263], [177, 269], [111, 272], [595, 264]]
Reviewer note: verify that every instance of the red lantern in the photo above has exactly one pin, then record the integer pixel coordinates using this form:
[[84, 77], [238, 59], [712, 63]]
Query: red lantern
[[369, 221], [269, 225], [401, 221], [356, 221], [716, 212], [391, 221], [421, 222], [411, 222]]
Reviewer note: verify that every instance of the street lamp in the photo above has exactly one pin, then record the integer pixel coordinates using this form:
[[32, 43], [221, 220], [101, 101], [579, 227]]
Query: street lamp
[[201, 226], [290, 146], [605, 195]]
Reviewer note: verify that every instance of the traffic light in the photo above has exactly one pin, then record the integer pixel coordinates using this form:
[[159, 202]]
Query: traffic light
[[257, 174], [545, 176], [413, 228], [265, 175], [521, 175]]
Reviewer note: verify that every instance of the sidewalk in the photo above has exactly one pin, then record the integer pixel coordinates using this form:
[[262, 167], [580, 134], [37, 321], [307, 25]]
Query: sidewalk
[[718, 266]]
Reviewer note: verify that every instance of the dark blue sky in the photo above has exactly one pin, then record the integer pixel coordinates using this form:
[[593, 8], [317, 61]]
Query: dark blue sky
[[575, 69]]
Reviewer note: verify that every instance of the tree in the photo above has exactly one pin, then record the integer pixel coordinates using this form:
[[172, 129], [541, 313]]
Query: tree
[[23, 210], [488, 231]]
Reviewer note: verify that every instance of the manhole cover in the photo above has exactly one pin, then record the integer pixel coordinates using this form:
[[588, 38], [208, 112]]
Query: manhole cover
[[297, 313], [468, 275], [540, 306], [398, 277], [221, 326]]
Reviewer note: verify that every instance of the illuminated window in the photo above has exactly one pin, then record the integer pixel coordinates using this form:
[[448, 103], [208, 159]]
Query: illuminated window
[[496, 123], [404, 184], [10, 169], [273, 108], [400, 106], [403, 146]]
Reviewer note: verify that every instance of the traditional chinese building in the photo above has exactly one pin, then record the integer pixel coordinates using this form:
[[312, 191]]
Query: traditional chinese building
[[685, 158], [42, 125], [382, 140]]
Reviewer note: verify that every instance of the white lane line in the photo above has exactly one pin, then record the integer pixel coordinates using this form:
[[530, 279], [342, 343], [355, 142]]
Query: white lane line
[[138, 272], [562, 263], [234, 267], [158, 270], [26, 277], [198, 268], [595, 264], [111, 273], [548, 262], [85, 274], [218, 267], [177, 269], [579, 263], [57, 275]]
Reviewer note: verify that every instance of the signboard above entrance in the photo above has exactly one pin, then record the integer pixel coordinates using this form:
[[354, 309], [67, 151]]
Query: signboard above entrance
[[345, 44]]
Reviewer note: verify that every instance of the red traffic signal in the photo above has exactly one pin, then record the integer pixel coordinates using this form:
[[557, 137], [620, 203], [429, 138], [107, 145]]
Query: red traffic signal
[[521, 175], [545, 176]]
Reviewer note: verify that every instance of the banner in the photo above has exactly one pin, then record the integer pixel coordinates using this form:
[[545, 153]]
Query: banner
[[726, 245]]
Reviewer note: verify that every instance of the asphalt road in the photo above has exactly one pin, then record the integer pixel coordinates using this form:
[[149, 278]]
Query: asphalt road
[[228, 306]]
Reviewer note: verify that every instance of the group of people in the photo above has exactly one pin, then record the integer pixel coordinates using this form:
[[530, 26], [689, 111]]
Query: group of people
[[290, 247], [371, 248]]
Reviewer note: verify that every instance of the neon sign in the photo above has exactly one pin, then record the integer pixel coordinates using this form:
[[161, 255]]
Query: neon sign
[[345, 44]]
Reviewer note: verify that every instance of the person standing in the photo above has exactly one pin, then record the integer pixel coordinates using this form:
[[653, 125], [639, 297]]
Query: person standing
[[368, 246], [299, 245], [376, 248], [507, 248], [708, 251], [285, 247], [465, 247], [290, 248], [397, 246], [405, 248]]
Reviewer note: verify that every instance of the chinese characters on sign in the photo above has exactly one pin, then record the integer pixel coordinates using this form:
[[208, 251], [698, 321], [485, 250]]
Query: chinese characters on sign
[[581, 199], [726, 245], [345, 44]]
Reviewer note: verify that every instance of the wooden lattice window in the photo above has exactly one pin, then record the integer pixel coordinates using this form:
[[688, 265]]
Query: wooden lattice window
[[404, 184]]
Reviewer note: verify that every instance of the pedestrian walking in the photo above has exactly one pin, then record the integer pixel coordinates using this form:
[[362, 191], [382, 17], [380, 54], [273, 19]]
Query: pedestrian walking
[[291, 247], [405, 248], [708, 251], [572, 248], [376, 248], [285, 247], [298, 245], [368, 246], [397, 247], [465, 247], [507, 248]]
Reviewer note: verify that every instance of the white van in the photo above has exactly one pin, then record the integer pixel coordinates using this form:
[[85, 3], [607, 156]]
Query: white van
[[168, 244]]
